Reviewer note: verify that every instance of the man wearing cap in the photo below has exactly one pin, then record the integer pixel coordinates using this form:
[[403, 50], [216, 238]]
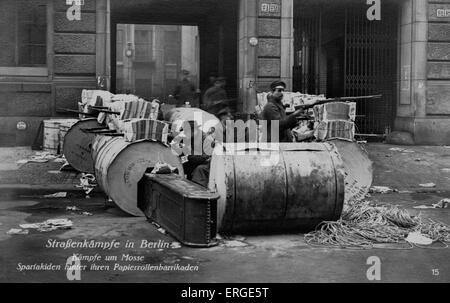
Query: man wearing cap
[[275, 111], [215, 93]]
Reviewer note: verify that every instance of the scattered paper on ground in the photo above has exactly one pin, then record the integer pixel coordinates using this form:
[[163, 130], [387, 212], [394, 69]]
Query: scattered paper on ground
[[175, 245], [381, 189], [39, 157], [17, 231], [444, 203], [87, 183], [60, 160], [54, 172], [417, 238], [234, 243], [49, 225], [401, 150], [428, 185], [57, 195]]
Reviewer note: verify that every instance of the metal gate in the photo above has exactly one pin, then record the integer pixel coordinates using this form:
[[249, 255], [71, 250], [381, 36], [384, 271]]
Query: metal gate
[[339, 52]]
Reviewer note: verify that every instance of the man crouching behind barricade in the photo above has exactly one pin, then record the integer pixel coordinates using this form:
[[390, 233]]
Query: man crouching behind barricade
[[274, 114]]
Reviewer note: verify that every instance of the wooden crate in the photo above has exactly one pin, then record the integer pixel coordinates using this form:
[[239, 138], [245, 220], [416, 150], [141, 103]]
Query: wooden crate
[[185, 209]]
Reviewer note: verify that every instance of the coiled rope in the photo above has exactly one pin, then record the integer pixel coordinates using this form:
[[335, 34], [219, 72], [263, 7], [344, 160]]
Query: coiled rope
[[362, 226]]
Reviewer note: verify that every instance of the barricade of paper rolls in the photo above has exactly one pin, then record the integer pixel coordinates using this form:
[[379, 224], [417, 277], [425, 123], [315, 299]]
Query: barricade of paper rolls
[[334, 120]]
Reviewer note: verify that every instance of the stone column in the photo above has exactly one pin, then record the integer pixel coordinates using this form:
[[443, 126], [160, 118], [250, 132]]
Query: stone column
[[271, 23], [424, 102], [103, 42]]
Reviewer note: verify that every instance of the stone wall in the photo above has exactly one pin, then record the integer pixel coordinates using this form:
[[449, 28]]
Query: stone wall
[[72, 50], [271, 22], [424, 86]]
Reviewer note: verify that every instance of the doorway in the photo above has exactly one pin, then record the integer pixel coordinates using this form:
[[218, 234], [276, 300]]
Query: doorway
[[174, 36], [151, 59], [339, 52]]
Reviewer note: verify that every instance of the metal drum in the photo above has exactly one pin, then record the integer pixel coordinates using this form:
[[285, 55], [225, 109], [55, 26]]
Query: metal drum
[[290, 188], [78, 144], [120, 165]]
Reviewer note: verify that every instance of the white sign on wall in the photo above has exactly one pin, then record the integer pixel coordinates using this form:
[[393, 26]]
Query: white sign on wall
[[443, 13], [270, 8]]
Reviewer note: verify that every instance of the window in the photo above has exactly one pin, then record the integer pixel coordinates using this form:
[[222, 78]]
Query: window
[[120, 46], [23, 33], [143, 45]]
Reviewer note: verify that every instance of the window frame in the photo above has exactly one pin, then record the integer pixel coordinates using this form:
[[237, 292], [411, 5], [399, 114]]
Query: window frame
[[34, 71]]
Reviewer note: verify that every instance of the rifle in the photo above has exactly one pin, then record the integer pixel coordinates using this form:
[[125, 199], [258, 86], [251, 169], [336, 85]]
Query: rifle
[[339, 99]]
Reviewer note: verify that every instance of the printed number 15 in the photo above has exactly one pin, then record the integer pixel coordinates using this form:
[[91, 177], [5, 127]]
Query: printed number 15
[[435, 272]]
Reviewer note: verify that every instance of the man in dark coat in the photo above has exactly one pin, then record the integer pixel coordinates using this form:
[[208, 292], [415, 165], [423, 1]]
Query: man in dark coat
[[215, 93], [185, 91], [275, 111]]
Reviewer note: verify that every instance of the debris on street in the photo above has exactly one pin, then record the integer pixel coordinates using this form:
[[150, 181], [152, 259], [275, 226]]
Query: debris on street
[[162, 230], [78, 210], [17, 231], [401, 150], [428, 185], [56, 195], [54, 172], [49, 225], [444, 203], [417, 238], [87, 183], [381, 189], [363, 225], [39, 157], [234, 243], [175, 245], [60, 160]]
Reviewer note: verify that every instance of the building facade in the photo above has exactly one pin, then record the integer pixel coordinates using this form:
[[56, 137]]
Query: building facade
[[51, 50]]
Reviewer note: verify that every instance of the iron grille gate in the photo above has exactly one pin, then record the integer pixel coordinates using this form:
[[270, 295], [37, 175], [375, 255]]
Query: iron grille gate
[[339, 52]]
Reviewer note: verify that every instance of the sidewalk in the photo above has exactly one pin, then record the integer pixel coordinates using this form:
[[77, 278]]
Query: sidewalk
[[29, 177]]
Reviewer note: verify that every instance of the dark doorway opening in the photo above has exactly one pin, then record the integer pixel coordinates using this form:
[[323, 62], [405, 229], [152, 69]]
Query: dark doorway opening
[[339, 52], [217, 26]]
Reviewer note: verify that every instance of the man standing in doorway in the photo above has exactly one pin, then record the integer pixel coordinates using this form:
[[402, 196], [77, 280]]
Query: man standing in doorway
[[215, 94], [185, 91], [275, 111]]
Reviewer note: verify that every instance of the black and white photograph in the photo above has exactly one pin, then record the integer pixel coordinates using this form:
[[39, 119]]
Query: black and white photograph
[[215, 144]]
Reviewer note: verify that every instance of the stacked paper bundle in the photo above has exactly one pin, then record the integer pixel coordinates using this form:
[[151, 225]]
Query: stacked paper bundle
[[140, 129], [335, 121], [140, 109], [124, 98], [335, 111], [335, 129], [93, 98]]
